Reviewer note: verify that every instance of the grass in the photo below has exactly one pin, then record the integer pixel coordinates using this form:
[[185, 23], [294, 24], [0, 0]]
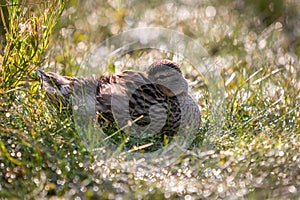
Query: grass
[[253, 152]]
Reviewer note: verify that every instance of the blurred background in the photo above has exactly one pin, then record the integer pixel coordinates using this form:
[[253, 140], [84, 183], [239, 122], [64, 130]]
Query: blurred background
[[230, 30]]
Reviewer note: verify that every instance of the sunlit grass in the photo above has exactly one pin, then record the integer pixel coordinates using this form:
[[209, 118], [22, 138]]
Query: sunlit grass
[[254, 153]]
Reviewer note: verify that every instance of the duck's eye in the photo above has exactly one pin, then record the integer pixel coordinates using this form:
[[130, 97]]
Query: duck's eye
[[161, 76]]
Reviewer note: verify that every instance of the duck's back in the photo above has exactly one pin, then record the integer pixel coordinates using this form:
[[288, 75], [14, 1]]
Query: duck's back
[[131, 97]]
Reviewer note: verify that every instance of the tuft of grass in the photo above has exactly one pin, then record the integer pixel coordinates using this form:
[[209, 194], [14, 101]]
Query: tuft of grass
[[30, 131], [27, 39]]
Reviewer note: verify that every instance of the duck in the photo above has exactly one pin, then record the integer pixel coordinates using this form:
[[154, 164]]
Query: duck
[[157, 100]]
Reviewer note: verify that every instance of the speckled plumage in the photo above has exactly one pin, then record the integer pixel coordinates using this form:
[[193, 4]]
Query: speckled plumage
[[160, 95]]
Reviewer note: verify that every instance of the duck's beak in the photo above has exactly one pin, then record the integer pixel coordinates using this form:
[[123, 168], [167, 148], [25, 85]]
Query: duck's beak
[[41, 73], [55, 85]]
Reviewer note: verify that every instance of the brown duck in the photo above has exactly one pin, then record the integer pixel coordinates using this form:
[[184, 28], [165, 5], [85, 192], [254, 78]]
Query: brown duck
[[158, 98]]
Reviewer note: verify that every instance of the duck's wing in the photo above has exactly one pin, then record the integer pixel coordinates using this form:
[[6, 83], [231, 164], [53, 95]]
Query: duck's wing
[[134, 98], [114, 93]]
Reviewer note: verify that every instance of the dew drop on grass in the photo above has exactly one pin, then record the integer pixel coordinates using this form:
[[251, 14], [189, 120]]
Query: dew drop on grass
[[262, 44], [75, 107], [220, 188], [19, 154], [294, 158], [292, 189], [210, 11], [67, 168], [206, 193], [7, 115], [129, 123], [95, 188], [281, 153], [13, 176], [77, 198], [281, 60], [188, 197], [61, 182], [36, 181], [58, 171]]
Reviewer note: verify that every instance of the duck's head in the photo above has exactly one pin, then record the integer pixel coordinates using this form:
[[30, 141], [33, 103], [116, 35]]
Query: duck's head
[[168, 76], [57, 87]]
